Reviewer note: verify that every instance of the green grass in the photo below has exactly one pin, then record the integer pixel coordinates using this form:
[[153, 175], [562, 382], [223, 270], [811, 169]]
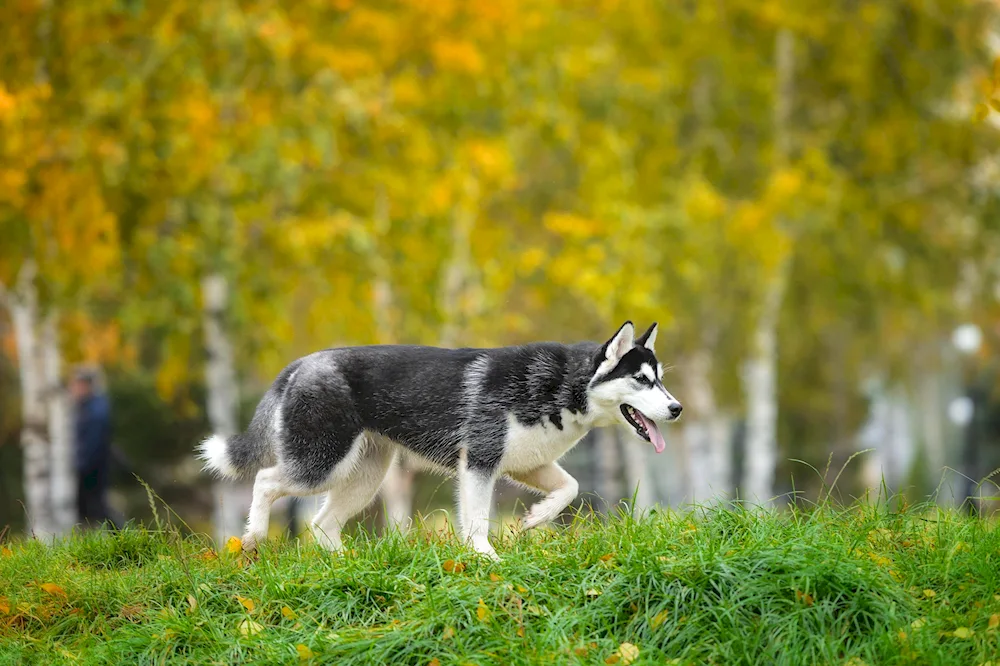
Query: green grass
[[831, 586]]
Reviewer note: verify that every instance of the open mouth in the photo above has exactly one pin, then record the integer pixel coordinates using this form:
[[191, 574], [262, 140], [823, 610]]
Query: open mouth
[[645, 427]]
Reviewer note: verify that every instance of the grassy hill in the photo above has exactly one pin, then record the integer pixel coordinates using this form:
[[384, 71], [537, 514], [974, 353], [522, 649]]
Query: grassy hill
[[858, 585]]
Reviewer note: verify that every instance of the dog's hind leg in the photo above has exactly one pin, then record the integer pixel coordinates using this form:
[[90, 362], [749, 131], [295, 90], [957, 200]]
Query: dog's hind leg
[[350, 494], [559, 487], [267, 488]]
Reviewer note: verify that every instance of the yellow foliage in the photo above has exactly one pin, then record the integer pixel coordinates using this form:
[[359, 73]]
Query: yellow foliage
[[703, 203], [572, 226], [457, 56]]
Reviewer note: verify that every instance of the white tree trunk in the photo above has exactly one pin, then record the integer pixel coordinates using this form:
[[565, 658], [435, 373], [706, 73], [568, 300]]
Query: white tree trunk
[[761, 390], [760, 376], [60, 429], [705, 434], [638, 480], [37, 454], [607, 459], [232, 500]]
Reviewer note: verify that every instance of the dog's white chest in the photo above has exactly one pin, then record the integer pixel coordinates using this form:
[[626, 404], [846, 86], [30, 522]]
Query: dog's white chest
[[528, 447]]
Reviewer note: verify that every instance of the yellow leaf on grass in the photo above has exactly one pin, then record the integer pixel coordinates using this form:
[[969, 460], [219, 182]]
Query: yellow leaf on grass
[[434, 662], [593, 593], [304, 652], [659, 619], [605, 558], [919, 622], [963, 632], [520, 631], [6, 552], [930, 593], [4, 606], [192, 603], [250, 628], [53, 589], [521, 589], [246, 603], [451, 566], [495, 578], [628, 652], [234, 545], [448, 633], [482, 612], [994, 621], [613, 659], [287, 613]]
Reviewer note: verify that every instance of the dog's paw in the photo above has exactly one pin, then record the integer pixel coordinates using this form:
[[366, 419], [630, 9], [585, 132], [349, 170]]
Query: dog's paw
[[535, 517], [249, 542], [484, 549]]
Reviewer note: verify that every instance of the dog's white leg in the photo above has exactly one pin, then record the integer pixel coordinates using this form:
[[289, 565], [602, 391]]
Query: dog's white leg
[[267, 488], [560, 489], [349, 496], [475, 497]]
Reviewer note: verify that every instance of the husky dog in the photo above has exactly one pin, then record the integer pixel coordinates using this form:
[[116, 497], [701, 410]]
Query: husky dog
[[333, 421]]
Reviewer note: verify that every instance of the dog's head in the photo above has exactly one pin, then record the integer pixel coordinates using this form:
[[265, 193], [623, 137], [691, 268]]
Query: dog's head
[[628, 384]]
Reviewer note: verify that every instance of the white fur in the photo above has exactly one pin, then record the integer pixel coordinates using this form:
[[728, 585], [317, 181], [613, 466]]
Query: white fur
[[647, 372], [559, 487], [475, 498], [528, 447], [212, 451]]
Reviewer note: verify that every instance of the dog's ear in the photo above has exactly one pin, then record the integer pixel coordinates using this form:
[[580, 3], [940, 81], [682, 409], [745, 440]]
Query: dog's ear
[[620, 343], [648, 339]]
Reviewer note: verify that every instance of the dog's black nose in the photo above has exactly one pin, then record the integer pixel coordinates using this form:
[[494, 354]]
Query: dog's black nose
[[676, 409]]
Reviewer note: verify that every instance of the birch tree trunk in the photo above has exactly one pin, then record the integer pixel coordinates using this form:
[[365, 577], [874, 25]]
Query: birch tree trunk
[[709, 459], [760, 376], [35, 445], [638, 481], [232, 500], [60, 429], [609, 487]]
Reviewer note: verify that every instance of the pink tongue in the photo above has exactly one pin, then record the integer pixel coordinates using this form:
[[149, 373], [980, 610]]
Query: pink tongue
[[654, 433]]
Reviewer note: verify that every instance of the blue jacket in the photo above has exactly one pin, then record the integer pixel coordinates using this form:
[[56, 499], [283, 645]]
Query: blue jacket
[[93, 434]]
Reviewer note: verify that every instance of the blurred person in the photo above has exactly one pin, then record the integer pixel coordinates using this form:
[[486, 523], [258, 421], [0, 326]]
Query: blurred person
[[92, 441]]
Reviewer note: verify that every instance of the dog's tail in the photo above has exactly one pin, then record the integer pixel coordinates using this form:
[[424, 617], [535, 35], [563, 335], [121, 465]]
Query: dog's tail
[[243, 454]]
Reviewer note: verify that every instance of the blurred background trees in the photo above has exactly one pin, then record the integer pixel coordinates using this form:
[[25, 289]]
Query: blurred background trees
[[804, 195]]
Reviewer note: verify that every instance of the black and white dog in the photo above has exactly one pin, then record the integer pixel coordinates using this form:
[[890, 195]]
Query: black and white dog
[[332, 422]]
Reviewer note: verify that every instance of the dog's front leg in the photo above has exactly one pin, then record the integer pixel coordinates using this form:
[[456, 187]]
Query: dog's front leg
[[559, 487], [475, 497]]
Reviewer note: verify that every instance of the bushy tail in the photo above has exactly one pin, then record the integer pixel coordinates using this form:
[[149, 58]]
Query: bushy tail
[[242, 455]]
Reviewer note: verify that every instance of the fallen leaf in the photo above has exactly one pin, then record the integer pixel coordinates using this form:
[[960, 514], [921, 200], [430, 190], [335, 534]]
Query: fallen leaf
[[659, 619], [628, 652], [605, 558], [613, 659], [963, 632], [287, 613], [449, 632], [930, 593], [581, 651], [192, 603], [902, 635], [434, 662], [53, 589], [6, 552], [495, 578], [304, 652], [521, 589], [451, 566], [246, 603], [919, 622], [593, 593], [482, 612], [234, 545], [4, 606], [994, 621], [520, 631], [208, 555], [249, 628]]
